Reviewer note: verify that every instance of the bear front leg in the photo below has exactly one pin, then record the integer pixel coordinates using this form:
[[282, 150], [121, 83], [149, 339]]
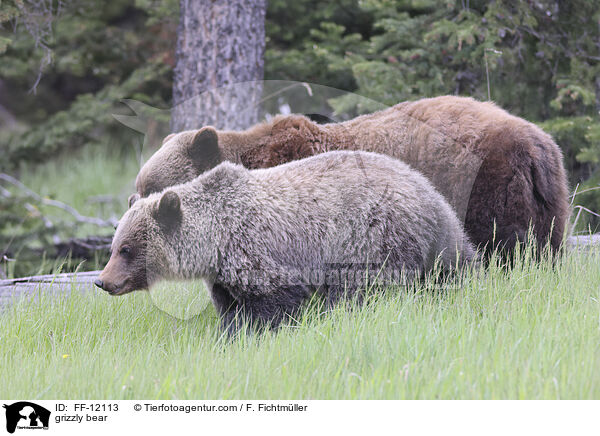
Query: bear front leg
[[270, 310], [253, 310], [257, 309], [228, 309]]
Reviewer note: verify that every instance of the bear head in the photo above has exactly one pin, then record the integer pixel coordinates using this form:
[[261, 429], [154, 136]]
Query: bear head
[[182, 157], [141, 248]]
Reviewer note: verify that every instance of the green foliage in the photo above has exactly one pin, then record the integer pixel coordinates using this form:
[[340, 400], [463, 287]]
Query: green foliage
[[579, 138], [100, 56], [87, 121], [541, 58], [309, 49]]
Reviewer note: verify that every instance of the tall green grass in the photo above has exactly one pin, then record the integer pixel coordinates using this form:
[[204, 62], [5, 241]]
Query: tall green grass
[[527, 331], [77, 178]]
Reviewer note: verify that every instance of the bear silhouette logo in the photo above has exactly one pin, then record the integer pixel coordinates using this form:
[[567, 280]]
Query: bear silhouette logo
[[26, 415]]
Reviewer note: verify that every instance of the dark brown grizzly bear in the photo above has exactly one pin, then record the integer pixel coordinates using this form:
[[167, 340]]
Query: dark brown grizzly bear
[[499, 172]]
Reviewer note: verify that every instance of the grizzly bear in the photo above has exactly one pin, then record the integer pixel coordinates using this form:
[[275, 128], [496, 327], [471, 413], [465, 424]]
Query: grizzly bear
[[265, 240], [500, 173]]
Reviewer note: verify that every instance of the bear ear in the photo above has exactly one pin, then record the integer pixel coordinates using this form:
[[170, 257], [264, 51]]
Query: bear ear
[[319, 118], [168, 214], [204, 148], [167, 138], [133, 198]]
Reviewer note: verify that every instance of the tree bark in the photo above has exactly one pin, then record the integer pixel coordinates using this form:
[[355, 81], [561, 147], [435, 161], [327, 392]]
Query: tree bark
[[220, 44]]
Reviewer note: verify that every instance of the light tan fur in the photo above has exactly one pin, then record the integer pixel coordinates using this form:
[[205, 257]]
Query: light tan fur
[[350, 211]]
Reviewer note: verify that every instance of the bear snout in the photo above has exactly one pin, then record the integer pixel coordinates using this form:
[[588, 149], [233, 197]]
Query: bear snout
[[105, 286], [108, 287]]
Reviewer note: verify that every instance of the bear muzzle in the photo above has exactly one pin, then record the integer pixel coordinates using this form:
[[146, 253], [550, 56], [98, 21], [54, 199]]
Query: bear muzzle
[[111, 288]]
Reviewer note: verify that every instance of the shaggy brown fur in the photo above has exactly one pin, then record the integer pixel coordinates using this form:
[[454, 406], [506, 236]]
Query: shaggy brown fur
[[495, 169], [261, 237]]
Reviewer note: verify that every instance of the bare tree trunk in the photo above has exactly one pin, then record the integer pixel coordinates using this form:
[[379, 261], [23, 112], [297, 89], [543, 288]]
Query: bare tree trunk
[[220, 43]]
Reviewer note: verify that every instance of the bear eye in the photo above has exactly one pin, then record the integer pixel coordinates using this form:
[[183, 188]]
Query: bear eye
[[125, 251]]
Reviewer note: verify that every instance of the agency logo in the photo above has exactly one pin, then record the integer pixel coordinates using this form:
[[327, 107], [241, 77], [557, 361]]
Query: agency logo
[[26, 415]]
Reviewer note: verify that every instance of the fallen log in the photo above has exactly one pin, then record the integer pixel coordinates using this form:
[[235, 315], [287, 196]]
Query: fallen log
[[76, 250], [583, 242], [50, 284]]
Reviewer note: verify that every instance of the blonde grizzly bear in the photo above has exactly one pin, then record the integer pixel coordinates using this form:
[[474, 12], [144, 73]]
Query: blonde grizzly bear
[[266, 240], [500, 173]]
